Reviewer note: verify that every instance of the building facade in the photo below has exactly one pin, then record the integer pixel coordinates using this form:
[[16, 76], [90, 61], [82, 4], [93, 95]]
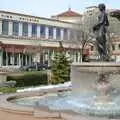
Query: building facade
[[25, 39]]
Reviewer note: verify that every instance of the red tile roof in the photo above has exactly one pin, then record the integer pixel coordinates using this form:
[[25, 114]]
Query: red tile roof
[[69, 13]]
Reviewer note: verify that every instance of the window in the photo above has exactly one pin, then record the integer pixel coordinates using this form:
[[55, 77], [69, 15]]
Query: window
[[15, 28], [51, 32], [42, 30], [34, 30], [72, 34], [5, 27], [65, 34], [25, 29], [58, 32]]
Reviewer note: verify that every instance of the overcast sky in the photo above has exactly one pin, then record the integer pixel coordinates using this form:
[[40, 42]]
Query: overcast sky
[[46, 8]]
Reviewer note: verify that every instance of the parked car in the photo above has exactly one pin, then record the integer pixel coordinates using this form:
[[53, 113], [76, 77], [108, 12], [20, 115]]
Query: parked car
[[35, 66]]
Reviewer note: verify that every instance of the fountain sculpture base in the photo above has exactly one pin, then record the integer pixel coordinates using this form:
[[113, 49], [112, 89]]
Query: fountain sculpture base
[[93, 91]]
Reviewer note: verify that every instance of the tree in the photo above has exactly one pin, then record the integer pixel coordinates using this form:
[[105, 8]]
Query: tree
[[60, 66], [115, 14], [82, 39], [109, 37]]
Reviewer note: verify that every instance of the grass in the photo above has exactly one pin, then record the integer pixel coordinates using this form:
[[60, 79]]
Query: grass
[[7, 90]]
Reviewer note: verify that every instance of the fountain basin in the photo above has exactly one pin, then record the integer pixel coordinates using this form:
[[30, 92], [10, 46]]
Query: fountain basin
[[82, 104], [56, 109]]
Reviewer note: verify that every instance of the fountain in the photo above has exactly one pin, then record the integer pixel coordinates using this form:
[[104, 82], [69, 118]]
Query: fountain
[[95, 88], [93, 91]]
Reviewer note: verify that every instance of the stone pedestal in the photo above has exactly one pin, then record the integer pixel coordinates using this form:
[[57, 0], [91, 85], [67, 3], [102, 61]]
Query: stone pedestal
[[84, 75]]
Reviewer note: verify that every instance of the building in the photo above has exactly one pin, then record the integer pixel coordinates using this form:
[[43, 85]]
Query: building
[[25, 39], [69, 16]]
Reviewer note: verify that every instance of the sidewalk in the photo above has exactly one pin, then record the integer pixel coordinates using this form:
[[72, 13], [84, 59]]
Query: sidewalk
[[12, 116]]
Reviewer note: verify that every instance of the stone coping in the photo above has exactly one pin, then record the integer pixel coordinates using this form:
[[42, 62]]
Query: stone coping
[[44, 112], [40, 112], [97, 67], [96, 64]]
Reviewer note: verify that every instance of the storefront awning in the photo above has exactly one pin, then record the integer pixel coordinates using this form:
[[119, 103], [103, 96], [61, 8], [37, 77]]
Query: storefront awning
[[13, 48]]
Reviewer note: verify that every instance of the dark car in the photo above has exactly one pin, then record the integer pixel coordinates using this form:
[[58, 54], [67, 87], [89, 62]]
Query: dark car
[[35, 66]]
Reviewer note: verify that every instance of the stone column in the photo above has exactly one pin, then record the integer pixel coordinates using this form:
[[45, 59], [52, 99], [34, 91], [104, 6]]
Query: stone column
[[26, 60], [53, 53], [47, 56], [20, 29], [38, 31], [19, 60], [29, 29], [54, 33], [1, 58], [46, 32], [79, 57], [38, 57], [62, 34], [0, 27], [13, 56], [10, 28], [6, 58], [68, 34]]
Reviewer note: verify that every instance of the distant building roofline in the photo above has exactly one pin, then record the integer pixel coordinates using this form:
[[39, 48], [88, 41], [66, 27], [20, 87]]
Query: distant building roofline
[[27, 15], [68, 13]]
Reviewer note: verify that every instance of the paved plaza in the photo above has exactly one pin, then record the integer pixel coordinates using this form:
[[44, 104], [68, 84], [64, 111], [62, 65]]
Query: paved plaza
[[11, 116]]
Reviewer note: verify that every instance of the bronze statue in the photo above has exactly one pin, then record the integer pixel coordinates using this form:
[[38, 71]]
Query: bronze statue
[[100, 29]]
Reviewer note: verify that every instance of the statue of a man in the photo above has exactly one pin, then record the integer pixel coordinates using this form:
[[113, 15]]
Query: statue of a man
[[100, 30]]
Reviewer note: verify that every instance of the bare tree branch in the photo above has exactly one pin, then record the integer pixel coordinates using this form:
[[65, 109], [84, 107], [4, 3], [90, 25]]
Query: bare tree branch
[[82, 39]]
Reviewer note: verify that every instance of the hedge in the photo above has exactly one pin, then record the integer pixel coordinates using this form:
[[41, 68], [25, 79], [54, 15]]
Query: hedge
[[29, 79]]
